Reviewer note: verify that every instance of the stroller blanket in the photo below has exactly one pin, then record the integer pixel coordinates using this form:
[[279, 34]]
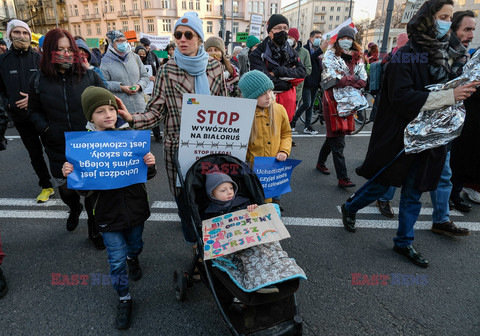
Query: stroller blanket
[[259, 266]]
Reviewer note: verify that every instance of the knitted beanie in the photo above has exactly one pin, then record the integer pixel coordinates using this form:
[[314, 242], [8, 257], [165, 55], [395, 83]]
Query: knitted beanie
[[217, 42], [274, 20], [113, 35], [346, 31], [293, 32], [17, 23], [254, 83], [214, 179], [191, 19], [251, 41], [93, 97]]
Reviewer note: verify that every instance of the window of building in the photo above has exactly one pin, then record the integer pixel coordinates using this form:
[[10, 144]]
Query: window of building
[[99, 29], [323, 8], [79, 30], [339, 9], [209, 26], [329, 26], [125, 26], [255, 7], [148, 4], [332, 9], [235, 8], [108, 26], [123, 5], [235, 28], [114, 26], [190, 5], [197, 5], [111, 6], [331, 17], [165, 4], [250, 6], [86, 10], [209, 6], [316, 9], [135, 4], [95, 8], [347, 9], [167, 25], [322, 17], [337, 18], [75, 10], [150, 25], [346, 18], [136, 25], [273, 8], [461, 2], [184, 5], [89, 29], [71, 11], [261, 7]]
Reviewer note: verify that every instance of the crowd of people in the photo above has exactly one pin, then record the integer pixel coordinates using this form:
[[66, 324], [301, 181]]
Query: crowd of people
[[68, 87]]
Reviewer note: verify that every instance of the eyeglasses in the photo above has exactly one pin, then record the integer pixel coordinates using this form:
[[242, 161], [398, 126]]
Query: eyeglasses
[[188, 35]]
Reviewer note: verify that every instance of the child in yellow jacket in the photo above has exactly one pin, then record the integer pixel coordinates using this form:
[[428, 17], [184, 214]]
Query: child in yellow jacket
[[271, 134]]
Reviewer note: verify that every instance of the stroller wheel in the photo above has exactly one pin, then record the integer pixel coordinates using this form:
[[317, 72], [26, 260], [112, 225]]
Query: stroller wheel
[[180, 285]]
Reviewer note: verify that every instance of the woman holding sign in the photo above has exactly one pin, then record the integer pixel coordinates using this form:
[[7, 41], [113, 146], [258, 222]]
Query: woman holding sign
[[55, 107], [190, 71]]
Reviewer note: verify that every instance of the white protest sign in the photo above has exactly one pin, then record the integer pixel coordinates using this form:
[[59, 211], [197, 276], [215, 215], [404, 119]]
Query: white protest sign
[[160, 42], [255, 30], [149, 89], [411, 8], [242, 229], [256, 25], [214, 125]]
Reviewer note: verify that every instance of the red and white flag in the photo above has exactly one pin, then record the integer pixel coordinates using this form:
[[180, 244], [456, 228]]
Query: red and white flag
[[333, 34]]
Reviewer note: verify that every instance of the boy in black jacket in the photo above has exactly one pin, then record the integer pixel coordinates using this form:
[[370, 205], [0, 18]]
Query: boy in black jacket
[[119, 214]]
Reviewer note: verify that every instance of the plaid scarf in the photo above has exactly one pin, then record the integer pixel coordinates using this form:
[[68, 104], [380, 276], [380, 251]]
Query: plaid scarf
[[458, 53]]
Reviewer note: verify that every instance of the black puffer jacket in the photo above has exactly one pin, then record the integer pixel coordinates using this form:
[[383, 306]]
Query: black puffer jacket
[[120, 209], [16, 69], [313, 80], [55, 107]]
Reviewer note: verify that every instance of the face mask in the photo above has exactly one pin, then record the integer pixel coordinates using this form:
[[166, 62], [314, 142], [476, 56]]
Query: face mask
[[317, 42], [21, 43], [280, 38], [65, 66], [442, 28], [291, 42], [345, 44], [122, 47]]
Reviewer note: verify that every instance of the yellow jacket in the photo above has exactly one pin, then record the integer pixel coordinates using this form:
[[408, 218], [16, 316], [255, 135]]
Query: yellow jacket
[[265, 143]]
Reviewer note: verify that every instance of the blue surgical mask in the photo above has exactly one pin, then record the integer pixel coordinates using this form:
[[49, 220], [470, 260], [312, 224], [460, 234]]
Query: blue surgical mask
[[317, 42], [345, 44], [442, 28], [122, 47]]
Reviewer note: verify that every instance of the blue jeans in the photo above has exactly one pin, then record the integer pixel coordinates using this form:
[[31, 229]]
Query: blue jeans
[[388, 196], [308, 97], [440, 196], [121, 244], [409, 211]]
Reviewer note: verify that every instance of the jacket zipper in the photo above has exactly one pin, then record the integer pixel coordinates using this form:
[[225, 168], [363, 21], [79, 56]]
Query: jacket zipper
[[66, 104]]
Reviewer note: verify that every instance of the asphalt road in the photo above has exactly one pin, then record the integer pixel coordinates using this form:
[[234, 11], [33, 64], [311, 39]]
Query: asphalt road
[[444, 302]]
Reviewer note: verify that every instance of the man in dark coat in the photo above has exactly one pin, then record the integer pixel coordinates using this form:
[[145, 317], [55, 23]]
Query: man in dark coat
[[403, 96], [17, 66], [279, 62]]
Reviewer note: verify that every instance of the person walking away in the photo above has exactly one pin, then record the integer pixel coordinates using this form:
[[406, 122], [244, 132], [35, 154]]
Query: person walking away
[[345, 50], [191, 70], [119, 213], [17, 65]]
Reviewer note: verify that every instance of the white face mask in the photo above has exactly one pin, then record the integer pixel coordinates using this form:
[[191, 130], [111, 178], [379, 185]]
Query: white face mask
[[291, 42], [345, 44]]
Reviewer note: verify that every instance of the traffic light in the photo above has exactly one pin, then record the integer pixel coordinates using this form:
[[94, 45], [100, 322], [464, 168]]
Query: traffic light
[[220, 33], [228, 37]]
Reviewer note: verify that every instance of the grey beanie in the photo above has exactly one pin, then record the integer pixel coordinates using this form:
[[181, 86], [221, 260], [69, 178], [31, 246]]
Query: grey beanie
[[214, 179], [346, 31]]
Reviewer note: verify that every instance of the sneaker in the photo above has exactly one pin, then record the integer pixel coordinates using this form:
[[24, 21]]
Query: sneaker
[[473, 195], [134, 270], [292, 125], [310, 130], [73, 218], [45, 195], [346, 183], [323, 169], [268, 290], [3, 285], [124, 314]]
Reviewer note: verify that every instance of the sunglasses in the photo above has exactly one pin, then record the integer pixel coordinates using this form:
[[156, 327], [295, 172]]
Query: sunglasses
[[188, 35]]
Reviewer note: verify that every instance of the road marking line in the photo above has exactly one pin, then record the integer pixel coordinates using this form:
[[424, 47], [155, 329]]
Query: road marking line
[[164, 205], [423, 212], [289, 221], [29, 202]]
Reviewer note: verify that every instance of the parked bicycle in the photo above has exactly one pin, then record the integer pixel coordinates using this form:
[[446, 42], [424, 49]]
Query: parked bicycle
[[317, 112], [361, 117]]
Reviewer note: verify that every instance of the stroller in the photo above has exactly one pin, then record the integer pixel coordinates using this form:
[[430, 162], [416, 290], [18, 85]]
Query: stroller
[[246, 313]]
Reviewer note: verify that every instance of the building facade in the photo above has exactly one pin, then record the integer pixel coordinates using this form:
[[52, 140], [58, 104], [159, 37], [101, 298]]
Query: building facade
[[324, 15], [42, 15]]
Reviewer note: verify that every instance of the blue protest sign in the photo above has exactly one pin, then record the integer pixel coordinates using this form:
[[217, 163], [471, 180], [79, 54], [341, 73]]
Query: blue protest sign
[[274, 175], [106, 160]]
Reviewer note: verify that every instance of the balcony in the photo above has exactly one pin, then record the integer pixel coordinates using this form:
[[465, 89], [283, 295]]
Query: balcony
[[123, 13], [87, 17], [96, 17], [134, 12]]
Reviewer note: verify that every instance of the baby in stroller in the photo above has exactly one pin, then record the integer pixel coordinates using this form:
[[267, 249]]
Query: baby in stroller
[[258, 268]]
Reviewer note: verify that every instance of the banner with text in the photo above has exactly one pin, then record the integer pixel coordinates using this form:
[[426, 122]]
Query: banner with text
[[240, 230], [274, 175], [214, 125], [160, 42], [106, 160]]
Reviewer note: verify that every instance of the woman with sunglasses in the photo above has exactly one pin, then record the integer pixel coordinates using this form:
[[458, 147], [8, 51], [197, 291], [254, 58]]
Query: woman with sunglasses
[[191, 70]]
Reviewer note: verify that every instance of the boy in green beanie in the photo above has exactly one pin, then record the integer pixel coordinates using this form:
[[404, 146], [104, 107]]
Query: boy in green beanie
[[119, 214]]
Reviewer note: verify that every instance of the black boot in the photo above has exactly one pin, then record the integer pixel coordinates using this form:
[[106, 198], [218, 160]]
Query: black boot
[[73, 218], [124, 314], [3, 285], [134, 269], [95, 237]]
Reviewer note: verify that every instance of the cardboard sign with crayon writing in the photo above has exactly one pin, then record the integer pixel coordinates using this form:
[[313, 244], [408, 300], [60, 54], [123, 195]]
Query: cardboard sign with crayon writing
[[240, 230]]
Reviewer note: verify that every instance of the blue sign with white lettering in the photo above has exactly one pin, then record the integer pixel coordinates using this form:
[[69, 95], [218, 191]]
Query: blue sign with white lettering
[[274, 175], [106, 160]]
